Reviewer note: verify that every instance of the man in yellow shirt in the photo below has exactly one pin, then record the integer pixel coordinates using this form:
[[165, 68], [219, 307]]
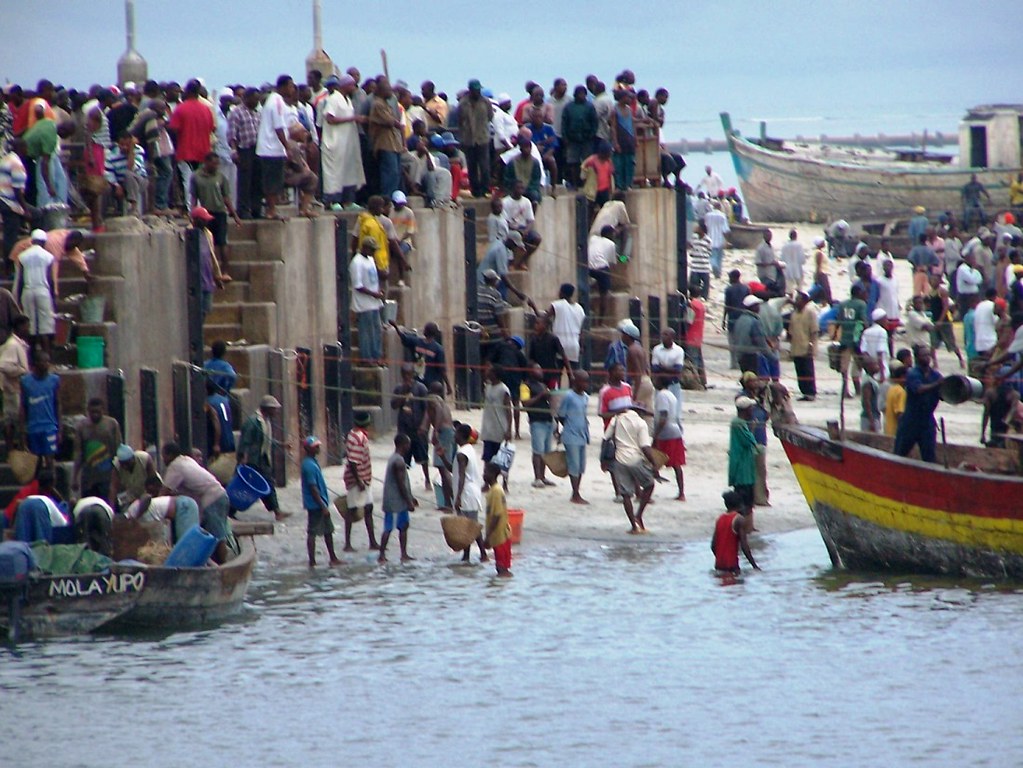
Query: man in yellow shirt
[[498, 531], [895, 400], [368, 225]]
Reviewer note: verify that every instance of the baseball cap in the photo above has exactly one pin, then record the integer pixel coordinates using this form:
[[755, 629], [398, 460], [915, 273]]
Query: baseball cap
[[125, 452], [475, 85], [269, 401], [38, 236], [751, 301], [878, 314], [437, 141], [744, 402], [312, 442], [198, 212], [490, 274], [516, 237], [630, 329], [398, 197]]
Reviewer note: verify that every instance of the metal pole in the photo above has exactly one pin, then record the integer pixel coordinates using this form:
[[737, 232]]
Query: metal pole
[[332, 354], [193, 293], [653, 319], [341, 284], [582, 278], [469, 241], [150, 418], [636, 311], [115, 397], [304, 385], [681, 240]]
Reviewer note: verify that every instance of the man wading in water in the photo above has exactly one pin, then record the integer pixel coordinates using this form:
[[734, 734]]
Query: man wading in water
[[731, 533]]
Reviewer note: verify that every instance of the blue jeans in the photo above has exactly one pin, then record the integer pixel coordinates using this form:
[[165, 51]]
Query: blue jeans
[[575, 456], [164, 176], [370, 335], [390, 172], [540, 435], [716, 255]]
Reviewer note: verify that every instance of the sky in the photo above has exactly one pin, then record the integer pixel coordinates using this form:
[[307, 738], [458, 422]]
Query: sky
[[808, 68]]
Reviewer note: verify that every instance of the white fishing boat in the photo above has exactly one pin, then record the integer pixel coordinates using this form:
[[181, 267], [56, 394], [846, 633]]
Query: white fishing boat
[[811, 181]]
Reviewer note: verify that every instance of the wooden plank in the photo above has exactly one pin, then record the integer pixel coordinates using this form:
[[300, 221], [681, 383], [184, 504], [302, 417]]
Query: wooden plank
[[252, 527]]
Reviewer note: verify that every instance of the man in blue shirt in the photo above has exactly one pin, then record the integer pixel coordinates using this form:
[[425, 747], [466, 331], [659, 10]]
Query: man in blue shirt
[[575, 430], [916, 425], [40, 408], [218, 370], [314, 501]]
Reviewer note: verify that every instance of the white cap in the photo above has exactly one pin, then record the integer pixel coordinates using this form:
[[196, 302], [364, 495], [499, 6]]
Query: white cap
[[502, 98], [744, 402], [819, 241], [38, 236], [398, 197], [878, 314], [751, 301]]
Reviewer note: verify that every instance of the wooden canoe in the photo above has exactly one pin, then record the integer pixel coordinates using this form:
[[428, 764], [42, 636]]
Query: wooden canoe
[[60, 606], [878, 511], [184, 597], [792, 181]]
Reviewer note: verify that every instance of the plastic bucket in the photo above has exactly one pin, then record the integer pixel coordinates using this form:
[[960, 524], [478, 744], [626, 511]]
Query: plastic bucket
[[515, 521], [247, 487], [193, 550], [958, 389], [92, 309], [390, 311], [90, 351]]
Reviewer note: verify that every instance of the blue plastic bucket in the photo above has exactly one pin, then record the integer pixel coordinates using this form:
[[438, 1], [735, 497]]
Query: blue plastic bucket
[[246, 488], [192, 550]]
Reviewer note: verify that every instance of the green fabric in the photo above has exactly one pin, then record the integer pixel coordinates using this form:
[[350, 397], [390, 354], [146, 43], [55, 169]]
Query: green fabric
[[41, 138], [852, 319], [69, 558], [742, 450]]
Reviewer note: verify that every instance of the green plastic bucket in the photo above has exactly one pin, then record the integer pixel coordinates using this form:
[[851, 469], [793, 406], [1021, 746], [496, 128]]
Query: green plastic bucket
[[90, 351]]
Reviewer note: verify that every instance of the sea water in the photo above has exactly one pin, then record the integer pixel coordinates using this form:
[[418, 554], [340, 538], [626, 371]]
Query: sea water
[[597, 653]]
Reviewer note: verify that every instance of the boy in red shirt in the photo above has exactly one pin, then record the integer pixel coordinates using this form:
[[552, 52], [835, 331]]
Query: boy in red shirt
[[731, 534]]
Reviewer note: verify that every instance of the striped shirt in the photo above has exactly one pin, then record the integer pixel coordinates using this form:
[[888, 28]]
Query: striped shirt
[[116, 168], [699, 254], [13, 179], [357, 450], [242, 127]]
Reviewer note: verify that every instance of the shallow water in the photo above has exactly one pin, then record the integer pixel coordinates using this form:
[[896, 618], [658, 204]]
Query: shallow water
[[629, 654]]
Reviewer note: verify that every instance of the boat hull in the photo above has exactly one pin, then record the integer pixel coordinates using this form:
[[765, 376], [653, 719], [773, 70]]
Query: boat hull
[[177, 597], [876, 511], [67, 605], [783, 186]]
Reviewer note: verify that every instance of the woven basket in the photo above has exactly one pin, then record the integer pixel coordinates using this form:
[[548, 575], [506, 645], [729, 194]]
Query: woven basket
[[557, 463], [223, 467], [341, 505], [459, 532], [23, 465], [660, 459]]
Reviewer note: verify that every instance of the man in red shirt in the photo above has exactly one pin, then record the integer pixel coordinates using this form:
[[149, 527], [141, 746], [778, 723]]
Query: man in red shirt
[[731, 534], [192, 124], [615, 395], [694, 333]]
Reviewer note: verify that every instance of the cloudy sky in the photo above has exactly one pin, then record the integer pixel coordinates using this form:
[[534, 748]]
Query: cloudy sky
[[884, 63]]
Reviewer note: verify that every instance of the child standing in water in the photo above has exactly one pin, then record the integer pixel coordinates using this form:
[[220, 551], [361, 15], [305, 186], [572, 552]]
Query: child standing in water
[[498, 530]]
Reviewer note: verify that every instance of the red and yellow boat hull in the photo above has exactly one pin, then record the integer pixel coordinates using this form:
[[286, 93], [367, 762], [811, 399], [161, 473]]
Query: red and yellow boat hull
[[879, 511]]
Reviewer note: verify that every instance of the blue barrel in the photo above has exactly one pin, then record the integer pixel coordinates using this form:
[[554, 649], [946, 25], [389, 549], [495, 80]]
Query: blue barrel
[[246, 488], [193, 550]]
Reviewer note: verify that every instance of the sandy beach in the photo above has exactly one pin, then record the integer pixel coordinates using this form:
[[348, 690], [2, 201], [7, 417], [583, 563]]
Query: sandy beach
[[551, 522]]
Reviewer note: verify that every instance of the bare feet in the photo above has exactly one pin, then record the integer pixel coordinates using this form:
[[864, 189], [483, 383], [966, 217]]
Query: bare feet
[[348, 548], [484, 558], [680, 497], [374, 546], [407, 558], [334, 562], [382, 558], [578, 500], [548, 483]]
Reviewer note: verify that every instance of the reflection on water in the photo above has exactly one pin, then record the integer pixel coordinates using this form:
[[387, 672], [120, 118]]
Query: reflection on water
[[615, 654]]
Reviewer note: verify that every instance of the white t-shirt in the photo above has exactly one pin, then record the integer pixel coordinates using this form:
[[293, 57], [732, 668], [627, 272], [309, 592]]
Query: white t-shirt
[[984, 334], [631, 435], [888, 295], [363, 274], [717, 227], [519, 213], [155, 512], [57, 518], [90, 501], [666, 359], [273, 117], [968, 279], [601, 252], [35, 267], [568, 324], [917, 328], [666, 403], [613, 213], [473, 486], [874, 342]]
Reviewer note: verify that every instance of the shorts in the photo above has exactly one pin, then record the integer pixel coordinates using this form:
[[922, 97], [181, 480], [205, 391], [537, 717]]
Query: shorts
[[419, 450], [503, 555], [37, 303], [575, 457], [603, 279], [472, 514], [214, 518], [490, 449], [943, 334], [12, 406], [218, 228], [446, 440], [540, 435], [632, 478], [392, 520], [271, 174], [849, 362], [319, 523], [359, 497], [674, 449], [41, 443]]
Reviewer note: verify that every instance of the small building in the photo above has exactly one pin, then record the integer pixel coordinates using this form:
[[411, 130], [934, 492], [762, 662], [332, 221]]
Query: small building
[[991, 136]]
